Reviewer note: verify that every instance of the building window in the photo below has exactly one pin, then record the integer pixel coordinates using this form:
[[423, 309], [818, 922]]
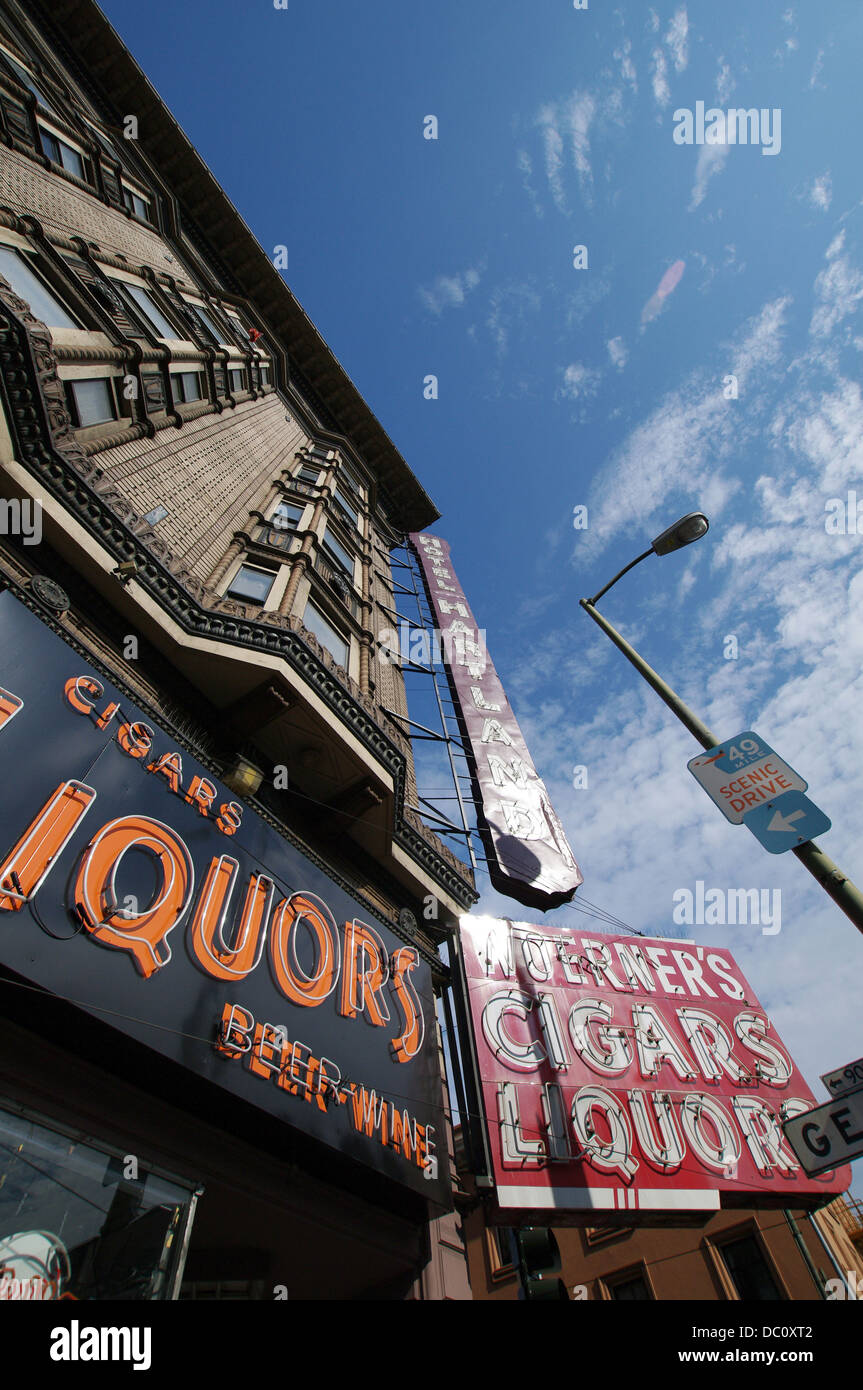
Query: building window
[[631, 1288], [500, 1251], [326, 634], [29, 82], [92, 401], [338, 555], [60, 153], [238, 379], [252, 583], [597, 1235], [286, 517], [265, 375], [307, 474], [750, 1272], [186, 387], [239, 328], [137, 205], [348, 505], [153, 316], [26, 283], [217, 334], [73, 1225]]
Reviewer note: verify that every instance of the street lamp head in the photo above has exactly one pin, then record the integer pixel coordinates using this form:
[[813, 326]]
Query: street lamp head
[[688, 529]]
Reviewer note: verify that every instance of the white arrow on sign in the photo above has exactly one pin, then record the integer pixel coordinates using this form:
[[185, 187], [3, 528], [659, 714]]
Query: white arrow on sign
[[780, 822]]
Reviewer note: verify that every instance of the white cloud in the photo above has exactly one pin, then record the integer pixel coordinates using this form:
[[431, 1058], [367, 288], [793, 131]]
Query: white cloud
[[570, 119], [839, 289], [449, 291], [659, 81], [675, 39], [580, 381], [525, 165], [623, 55], [761, 344], [553, 149], [725, 83], [580, 113], [510, 306], [710, 162], [821, 192], [680, 449], [618, 352]]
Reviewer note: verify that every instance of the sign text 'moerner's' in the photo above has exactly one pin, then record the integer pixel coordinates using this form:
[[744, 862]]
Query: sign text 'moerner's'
[[529, 857]]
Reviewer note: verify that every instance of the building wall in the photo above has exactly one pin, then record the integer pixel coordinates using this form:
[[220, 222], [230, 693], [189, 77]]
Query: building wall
[[241, 682], [674, 1263]]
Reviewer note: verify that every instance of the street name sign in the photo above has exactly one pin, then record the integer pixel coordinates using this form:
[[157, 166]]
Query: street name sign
[[754, 787], [830, 1135], [844, 1079]]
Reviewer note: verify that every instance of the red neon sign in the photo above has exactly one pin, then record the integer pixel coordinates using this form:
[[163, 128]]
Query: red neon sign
[[630, 1074]]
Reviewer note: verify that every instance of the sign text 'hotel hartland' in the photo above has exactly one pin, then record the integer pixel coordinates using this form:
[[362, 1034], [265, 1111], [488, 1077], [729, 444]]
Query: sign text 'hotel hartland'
[[529, 856]]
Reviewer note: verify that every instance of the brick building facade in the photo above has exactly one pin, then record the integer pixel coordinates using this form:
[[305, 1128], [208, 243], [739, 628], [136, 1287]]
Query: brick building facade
[[216, 506]]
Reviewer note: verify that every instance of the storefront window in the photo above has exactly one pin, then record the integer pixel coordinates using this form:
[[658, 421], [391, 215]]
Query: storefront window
[[79, 1223]]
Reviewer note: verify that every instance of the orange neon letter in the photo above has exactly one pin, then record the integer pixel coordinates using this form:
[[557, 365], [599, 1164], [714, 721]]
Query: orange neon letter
[[140, 933], [410, 1040], [310, 911], [78, 689], [365, 973], [207, 932], [9, 706], [37, 850]]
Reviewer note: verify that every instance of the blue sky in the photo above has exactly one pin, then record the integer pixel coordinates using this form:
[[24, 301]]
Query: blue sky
[[561, 386]]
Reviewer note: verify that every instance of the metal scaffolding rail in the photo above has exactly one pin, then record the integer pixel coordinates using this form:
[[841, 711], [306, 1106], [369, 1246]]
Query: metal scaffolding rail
[[449, 734]]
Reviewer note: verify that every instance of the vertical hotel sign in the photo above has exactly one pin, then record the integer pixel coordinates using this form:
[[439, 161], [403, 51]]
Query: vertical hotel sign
[[528, 853]]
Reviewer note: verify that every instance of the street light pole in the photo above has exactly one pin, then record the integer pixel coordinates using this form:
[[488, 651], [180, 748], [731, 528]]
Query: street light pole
[[844, 893]]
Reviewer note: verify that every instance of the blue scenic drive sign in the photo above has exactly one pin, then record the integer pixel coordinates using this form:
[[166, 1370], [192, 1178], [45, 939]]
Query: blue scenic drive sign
[[753, 786], [786, 821]]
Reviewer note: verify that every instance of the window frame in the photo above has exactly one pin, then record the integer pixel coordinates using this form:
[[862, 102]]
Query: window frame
[[178, 376], [258, 569], [329, 551], [343, 500], [202, 313], [726, 1239], [232, 385], [293, 506], [628, 1275], [62, 143], [30, 263], [69, 385], [129, 204], [499, 1268], [28, 80], [345, 640], [138, 310]]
